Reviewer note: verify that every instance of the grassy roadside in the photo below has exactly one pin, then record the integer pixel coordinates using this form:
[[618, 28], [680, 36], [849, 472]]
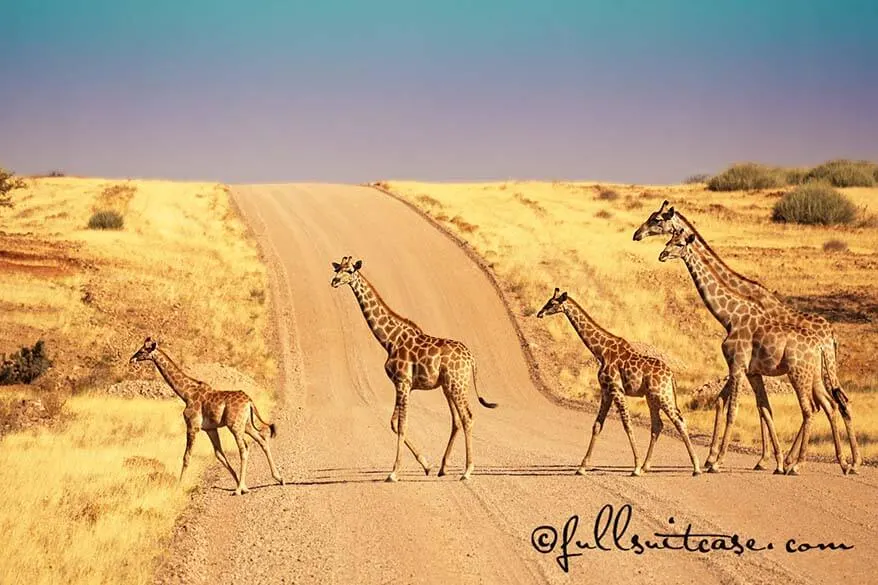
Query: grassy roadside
[[577, 236], [94, 493]]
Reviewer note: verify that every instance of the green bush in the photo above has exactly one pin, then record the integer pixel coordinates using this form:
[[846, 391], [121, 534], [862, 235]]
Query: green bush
[[25, 366], [814, 203], [795, 176], [8, 183], [106, 220], [845, 173], [747, 177]]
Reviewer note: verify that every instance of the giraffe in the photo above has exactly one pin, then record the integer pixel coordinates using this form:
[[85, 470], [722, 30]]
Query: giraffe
[[758, 344], [209, 411], [666, 220], [415, 361], [624, 372]]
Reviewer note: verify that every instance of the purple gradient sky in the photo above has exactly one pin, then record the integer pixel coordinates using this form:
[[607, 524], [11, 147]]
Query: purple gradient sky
[[341, 91]]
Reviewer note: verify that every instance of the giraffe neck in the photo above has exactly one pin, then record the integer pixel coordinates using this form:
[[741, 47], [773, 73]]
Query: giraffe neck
[[720, 301], [173, 375], [738, 283], [386, 326], [595, 338]]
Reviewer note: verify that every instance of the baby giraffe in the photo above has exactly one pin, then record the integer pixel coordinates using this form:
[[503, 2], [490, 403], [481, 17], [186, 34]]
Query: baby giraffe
[[207, 410], [624, 372]]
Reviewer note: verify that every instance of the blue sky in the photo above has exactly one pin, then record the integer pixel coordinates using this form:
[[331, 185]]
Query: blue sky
[[351, 91]]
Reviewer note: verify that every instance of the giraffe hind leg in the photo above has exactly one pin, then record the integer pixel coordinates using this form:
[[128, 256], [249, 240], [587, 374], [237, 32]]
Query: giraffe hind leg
[[455, 427], [656, 427], [263, 444], [220, 454]]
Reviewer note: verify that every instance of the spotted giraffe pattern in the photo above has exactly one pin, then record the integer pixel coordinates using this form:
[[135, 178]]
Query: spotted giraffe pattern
[[415, 361], [622, 372], [666, 220], [207, 410], [759, 345]]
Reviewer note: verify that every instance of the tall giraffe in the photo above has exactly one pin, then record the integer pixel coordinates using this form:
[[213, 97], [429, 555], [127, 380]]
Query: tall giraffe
[[757, 345], [666, 220], [624, 372], [415, 361], [209, 411]]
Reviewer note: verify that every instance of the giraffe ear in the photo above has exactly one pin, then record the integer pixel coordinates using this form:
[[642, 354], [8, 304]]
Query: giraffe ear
[[563, 296], [664, 206], [336, 266], [669, 213], [358, 264], [557, 290]]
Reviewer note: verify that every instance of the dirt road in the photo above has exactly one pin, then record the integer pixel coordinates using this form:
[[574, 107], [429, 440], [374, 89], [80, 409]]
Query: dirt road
[[338, 522]]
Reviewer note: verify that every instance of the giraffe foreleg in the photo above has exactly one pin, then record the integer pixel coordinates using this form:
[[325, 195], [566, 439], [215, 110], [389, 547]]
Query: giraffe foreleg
[[655, 431], [394, 427], [622, 407], [399, 422], [720, 407], [597, 427], [220, 454], [191, 433], [766, 424]]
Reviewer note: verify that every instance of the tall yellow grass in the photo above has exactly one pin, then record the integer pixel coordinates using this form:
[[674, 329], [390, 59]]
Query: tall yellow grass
[[93, 498], [578, 236]]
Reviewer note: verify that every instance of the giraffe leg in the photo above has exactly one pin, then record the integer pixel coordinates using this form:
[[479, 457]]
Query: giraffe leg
[[803, 387], [596, 429], [399, 421], [218, 451], [793, 453], [622, 407], [766, 424], [846, 416], [676, 417], [263, 444], [243, 450], [731, 413], [720, 406], [191, 433], [829, 408], [656, 427], [422, 460], [466, 420], [455, 426]]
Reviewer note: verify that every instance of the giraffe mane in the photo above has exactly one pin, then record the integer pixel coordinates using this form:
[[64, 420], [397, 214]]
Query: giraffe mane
[[393, 313]]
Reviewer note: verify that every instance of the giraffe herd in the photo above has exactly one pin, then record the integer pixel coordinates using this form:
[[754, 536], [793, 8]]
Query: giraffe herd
[[764, 337]]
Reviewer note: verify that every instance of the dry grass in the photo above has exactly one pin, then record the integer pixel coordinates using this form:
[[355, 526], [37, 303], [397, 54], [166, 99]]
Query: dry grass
[[577, 245], [94, 493]]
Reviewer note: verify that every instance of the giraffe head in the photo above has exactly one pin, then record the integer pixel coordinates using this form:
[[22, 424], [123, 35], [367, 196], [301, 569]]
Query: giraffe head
[[345, 271], [145, 352], [658, 223], [554, 304], [676, 246]]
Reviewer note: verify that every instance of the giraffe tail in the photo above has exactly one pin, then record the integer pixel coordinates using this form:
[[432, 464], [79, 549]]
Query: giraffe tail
[[830, 377], [482, 401], [255, 413]]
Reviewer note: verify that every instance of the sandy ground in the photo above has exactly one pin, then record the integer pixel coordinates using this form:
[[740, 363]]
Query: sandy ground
[[338, 522]]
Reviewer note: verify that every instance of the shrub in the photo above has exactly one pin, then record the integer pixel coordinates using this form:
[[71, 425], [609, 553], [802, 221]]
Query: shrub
[[606, 194], [747, 177], [845, 173], [25, 366], [795, 176], [8, 183], [105, 220], [696, 178], [814, 203], [56, 173], [835, 246]]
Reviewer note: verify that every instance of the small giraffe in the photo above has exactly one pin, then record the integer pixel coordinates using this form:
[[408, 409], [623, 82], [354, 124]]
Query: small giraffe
[[666, 220], [759, 345], [624, 372], [209, 411], [415, 361]]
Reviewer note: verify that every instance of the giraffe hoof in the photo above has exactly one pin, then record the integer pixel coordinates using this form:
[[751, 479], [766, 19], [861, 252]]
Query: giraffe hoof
[[637, 472], [778, 471], [760, 466], [852, 470], [696, 473], [713, 469], [392, 478], [280, 481], [441, 472], [581, 471], [464, 477], [427, 470], [792, 471]]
